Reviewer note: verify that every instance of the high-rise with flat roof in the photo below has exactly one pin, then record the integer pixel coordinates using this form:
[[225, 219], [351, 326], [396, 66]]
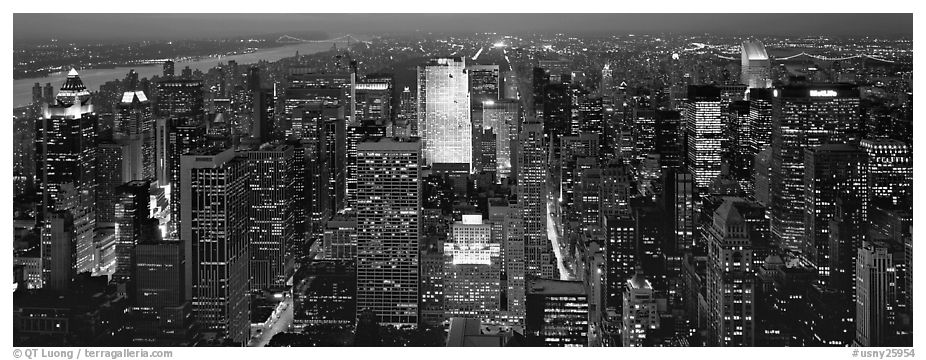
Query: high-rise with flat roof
[[388, 224], [755, 64], [804, 117], [472, 269], [214, 231], [444, 112]]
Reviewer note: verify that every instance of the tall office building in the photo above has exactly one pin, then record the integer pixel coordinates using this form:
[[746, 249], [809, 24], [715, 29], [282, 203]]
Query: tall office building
[[704, 127], [162, 315], [891, 169], [111, 163], [406, 120], [501, 118], [131, 213], [182, 138], [532, 200], [388, 224], [181, 97], [556, 313], [57, 251], [833, 174], [67, 167], [133, 127], [679, 204], [270, 210], [214, 230], [756, 66], [67, 134], [670, 139], [738, 228], [444, 112], [168, 68], [875, 304], [640, 316], [804, 117], [472, 271], [483, 88]]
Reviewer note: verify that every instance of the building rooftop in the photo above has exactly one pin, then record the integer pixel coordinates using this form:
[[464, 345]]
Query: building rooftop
[[129, 97], [555, 287], [754, 50]]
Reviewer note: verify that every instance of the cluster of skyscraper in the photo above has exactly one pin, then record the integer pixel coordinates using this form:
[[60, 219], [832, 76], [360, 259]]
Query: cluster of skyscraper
[[551, 208]]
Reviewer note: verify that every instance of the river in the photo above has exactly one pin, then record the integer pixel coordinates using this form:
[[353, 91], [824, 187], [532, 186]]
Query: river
[[93, 78]]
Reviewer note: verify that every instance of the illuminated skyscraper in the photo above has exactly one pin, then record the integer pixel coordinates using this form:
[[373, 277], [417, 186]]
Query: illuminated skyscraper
[[134, 128], [833, 174], [875, 285], [214, 230], [472, 269], [168, 69], [705, 133], [131, 213], [755, 65], [270, 210], [181, 97], [804, 117], [532, 199], [483, 89], [640, 316], [58, 255], [557, 313], [738, 227], [891, 169], [388, 224], [501, 118], [182, 138], [444, 112], [67, 167]]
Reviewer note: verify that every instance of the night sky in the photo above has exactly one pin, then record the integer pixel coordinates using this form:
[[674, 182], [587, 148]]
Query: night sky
[[184, 26]]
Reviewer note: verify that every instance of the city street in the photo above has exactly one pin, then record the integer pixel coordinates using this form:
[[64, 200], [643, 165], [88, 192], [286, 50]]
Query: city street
[[279, 321]]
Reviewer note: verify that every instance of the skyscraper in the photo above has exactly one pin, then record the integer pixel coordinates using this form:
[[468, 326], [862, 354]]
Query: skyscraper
[[181, 97], [755, 65], [640, 316], [133, 128], [213, 228], [891, 169], [58, 250], [557, 313], [388, 224], [833, 174], [168, 69], [68, 153], [804, 117], [472, 269], [738, 227], [875, 294], [131, 213], [270, 210], [443, 112], [532, 200], [705, 133], [501, 118]]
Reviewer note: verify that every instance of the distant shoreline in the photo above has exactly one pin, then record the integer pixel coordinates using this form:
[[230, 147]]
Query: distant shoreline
[[274, 44]]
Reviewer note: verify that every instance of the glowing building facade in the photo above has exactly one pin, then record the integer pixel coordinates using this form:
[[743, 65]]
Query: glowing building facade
[[804, 117], [472, 270], [705, 133], [756, 66], [388, 224], [444, 112]]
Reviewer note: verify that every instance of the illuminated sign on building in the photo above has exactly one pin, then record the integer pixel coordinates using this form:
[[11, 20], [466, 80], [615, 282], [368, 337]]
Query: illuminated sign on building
[[822, 93]]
